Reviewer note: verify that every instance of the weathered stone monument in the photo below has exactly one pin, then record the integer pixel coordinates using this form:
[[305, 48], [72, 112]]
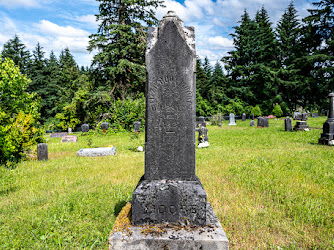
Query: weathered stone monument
[[42, 152], [232, 120], [265, 122], [302, 125], [243, 117], [203, 134], [85, 128], [327, 136], [136, 126], [252, 123], [201, 122], [170, 193], [69, 138], [288, 124], [94, 152], [260, 122], [104, 126], [57, 135]]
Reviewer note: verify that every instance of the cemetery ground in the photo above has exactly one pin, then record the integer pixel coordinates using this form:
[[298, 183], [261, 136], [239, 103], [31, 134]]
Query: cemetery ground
[[269, 189]]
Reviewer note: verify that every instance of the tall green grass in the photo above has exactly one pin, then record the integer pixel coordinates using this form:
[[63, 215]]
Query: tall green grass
[[269, 188]]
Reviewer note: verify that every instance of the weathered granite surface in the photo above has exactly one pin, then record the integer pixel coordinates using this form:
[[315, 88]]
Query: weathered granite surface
[[136, 126], [42, 152], [69, 138], [301, 126], [169, 201], [92, 152], [85, 128], [243, 117], [209, 237], [104, 125], [252, 123], [169, 189], [260, 122], [288, 124]]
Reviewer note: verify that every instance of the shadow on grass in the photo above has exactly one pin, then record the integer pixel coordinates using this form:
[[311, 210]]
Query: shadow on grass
[[118, 207]]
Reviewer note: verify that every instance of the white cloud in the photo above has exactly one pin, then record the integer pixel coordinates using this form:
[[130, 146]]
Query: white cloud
[[19, 3], [219, 42], [47, 27]]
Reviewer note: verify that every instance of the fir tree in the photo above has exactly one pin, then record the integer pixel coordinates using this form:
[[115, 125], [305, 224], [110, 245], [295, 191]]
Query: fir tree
[[16, 50], [121, 42]]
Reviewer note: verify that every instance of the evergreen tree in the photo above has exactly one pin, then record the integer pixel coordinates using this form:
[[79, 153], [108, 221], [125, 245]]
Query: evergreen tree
[[121, 42], [16, 50], [291, 82], [239, 63], [217, 86], [322, 20]]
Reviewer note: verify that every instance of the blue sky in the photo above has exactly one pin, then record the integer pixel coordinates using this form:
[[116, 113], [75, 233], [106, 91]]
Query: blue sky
[[57, 24]]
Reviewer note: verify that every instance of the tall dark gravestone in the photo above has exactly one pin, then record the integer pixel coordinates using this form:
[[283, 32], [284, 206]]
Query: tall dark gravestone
[[265, 122], [170, 130], [260, 122], [169, 191], [328, 127], [42, 152], [288, 124]]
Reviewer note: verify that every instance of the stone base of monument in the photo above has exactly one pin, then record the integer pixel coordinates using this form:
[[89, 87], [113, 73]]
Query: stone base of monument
[[326, 139], [167, 236], [301, 126]]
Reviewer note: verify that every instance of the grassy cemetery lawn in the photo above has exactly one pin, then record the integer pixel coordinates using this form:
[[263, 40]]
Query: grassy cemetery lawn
[[269, 189]]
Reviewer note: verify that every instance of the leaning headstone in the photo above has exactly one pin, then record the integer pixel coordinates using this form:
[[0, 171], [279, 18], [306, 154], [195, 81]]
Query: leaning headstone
[[85, 128], [136, 126], [252, 123], [56, 135], [104, 125], [170, 192], [69, 138], [327, 136], [243, 117], [69, 130], [260, 122], [288, 124], [203, 135], [232, 120], [93, 152], [265, 122], [42, 152]]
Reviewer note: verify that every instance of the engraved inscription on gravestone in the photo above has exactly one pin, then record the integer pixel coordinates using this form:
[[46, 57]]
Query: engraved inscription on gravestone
[[169, 190], [288, 124]]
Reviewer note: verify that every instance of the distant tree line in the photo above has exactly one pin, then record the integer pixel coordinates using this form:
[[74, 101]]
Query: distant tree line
[[289, 66]]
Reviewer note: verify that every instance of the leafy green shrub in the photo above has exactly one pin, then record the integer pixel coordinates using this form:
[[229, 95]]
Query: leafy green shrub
[[125, 112], [216, 119], [277, 111], [236, 106], [18, 114], [256, 111]]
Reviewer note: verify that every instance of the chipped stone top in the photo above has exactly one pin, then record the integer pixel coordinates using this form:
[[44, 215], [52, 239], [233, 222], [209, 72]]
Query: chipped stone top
[[188, 33]]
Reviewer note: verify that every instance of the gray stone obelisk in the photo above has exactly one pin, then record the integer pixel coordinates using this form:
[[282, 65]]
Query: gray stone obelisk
[[328, 128], [169, 191]]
